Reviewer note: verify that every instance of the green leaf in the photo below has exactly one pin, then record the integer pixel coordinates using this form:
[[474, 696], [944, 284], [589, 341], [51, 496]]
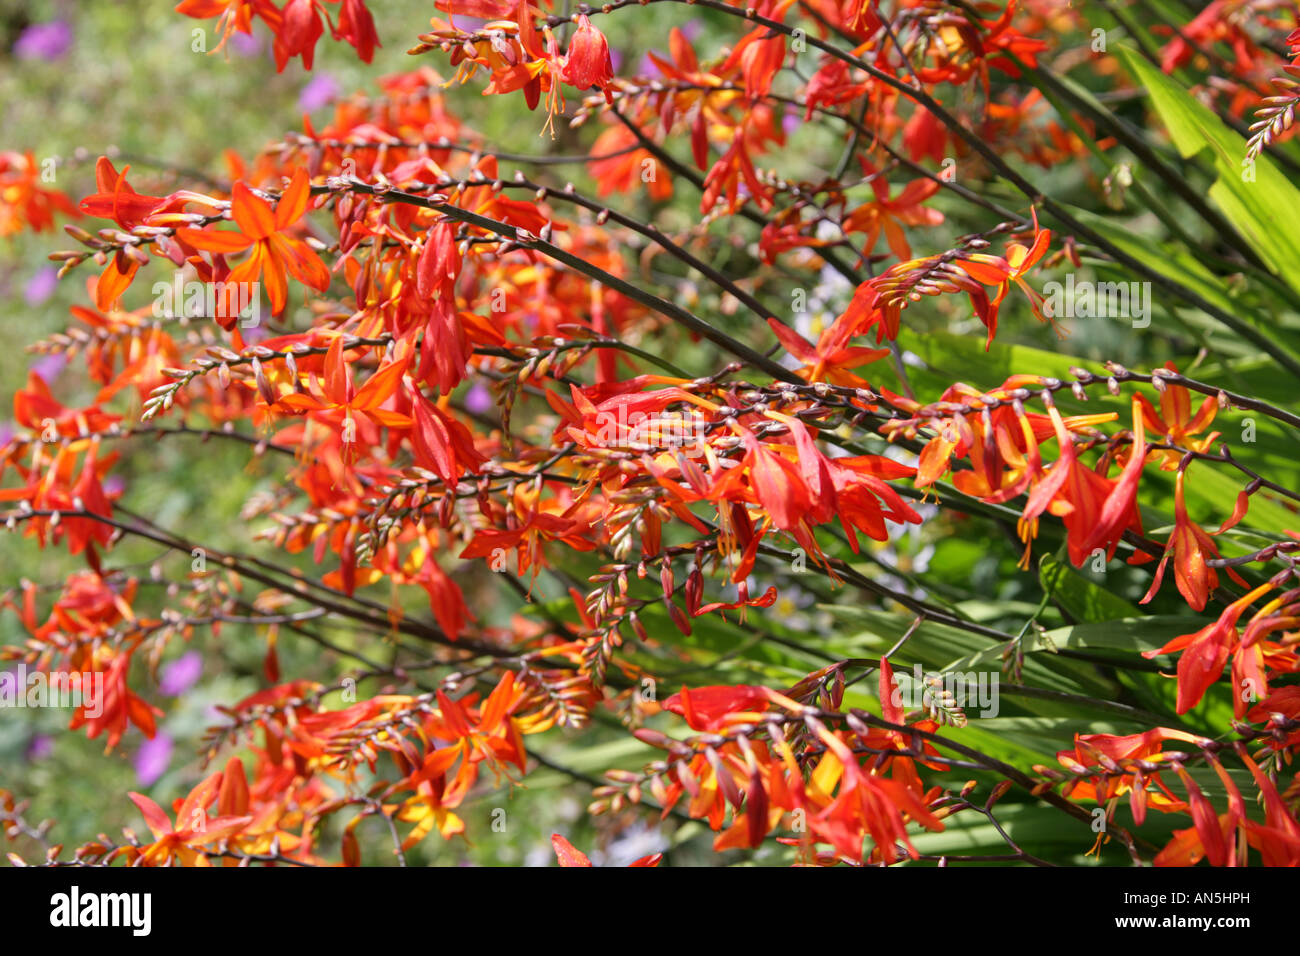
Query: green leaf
[[1252, 207], [1077, 596], [940, 649], [1170, 260], [1131, 635], [1134, 635]]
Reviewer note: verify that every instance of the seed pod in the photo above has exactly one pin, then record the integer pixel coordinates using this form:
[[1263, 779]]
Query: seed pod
[[694, 590], [998, 793], [659, 790], [722, 775], [679, 618], [263, 384], [687, 778], [666, 579], [81, 235], [837, 691], [857, 725]]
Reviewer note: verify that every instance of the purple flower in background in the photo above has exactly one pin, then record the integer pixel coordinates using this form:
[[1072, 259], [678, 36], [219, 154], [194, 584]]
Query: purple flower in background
[[48, 367], [467, 24], [44, 41], [181, 674], [615, 60], [41, 746], [152, 758], [246, 44], [790, 122], [6, 433], [478, 399], [41, 286], [320, 90], [114, 485]]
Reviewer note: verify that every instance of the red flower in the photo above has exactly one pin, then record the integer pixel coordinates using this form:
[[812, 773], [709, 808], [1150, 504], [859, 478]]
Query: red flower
[[999, 272], [588, 62], [1206, 651], [569, 855], [23, 203], [116, 200], [759, 56], [1190, 547], [357, 26], [715, 708]]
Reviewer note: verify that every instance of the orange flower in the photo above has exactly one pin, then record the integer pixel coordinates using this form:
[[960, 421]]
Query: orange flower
[[759, 56], [1077, 495], [1002, 272], [891, 215], [192, 831], [23, 203], [1190, 547], [831, 358], [715, 708], [1108, 752], [231, 15], [442, 444], [1176, 423], [1210, 837], [621, 168], [56, 485], [120, 703], [527, 540], [1278, 837], [275, 256], [116, 200], [1120, 512], [337, 391], [36, 408], [776, 482]]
